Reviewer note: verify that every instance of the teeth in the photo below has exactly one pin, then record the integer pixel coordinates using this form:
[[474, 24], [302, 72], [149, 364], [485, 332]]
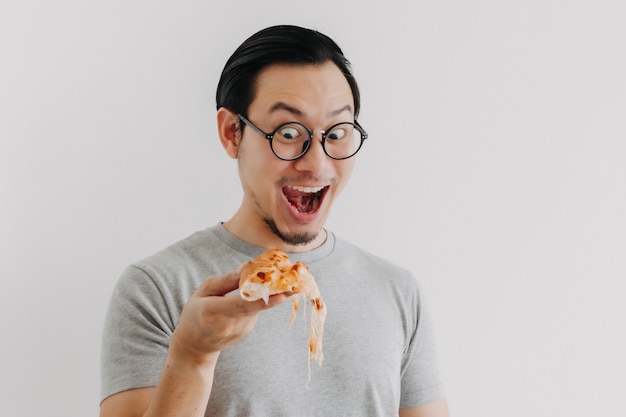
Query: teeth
[[306, 189]]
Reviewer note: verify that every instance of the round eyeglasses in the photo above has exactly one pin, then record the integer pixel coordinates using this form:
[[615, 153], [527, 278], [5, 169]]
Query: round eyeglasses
[[292, 140]]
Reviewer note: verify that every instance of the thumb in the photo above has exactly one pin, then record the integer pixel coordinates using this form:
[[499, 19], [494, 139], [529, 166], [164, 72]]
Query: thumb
[[219, 285]]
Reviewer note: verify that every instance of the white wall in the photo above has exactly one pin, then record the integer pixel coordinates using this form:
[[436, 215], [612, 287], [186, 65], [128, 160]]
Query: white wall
[[495, 171]]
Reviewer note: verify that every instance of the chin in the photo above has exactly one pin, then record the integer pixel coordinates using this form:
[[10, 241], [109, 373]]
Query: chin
[[293, 238]]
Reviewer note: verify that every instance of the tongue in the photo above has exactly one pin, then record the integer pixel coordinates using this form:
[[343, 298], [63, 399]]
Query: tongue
[[303, 202]]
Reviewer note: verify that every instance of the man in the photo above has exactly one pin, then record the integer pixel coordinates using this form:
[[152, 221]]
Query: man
[[179, 343]]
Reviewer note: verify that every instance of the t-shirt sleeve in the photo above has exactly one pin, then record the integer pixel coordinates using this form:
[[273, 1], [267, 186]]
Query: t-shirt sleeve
[[421, 378], [136, 334]]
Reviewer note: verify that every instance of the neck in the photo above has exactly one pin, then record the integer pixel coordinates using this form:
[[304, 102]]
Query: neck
[[261, 235]]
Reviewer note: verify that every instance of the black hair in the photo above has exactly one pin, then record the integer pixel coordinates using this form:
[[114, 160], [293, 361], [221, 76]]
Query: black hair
[[283, 44]]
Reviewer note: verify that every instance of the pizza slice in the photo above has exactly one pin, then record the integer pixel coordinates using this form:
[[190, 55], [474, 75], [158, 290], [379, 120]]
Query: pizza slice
[[272, 273]]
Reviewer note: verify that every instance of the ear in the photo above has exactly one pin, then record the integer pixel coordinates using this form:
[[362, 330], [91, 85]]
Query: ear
[[229, 132]]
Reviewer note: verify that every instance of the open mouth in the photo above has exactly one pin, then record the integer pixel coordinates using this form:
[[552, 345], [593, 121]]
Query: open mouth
[[305, 200]]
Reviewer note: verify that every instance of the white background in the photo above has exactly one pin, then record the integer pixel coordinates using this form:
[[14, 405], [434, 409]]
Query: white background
[[494, 170]]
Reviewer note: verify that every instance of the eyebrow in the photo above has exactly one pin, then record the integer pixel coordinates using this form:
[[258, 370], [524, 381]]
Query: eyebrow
[[284, 106], [297, 112], [340, 110]]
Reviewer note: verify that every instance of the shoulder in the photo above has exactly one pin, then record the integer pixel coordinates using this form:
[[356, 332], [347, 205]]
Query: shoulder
[[360, 258], [191, 249], [350, 269], [176, 270]]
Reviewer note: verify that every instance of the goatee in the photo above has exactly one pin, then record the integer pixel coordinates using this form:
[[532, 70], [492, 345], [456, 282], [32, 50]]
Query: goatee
[[294, 239]]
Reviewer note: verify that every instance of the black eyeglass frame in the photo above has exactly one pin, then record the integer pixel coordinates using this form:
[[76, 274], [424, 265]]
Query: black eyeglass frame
[[307, 146]]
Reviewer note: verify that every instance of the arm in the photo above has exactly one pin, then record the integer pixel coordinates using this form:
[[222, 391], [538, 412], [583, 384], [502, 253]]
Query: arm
[[437, 408], [210, 322]]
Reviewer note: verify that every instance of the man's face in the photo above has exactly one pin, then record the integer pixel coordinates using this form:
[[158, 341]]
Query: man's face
[[292, 199]]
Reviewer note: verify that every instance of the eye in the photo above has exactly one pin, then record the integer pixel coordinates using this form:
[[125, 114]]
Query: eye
[[289, 132], [337, 133]]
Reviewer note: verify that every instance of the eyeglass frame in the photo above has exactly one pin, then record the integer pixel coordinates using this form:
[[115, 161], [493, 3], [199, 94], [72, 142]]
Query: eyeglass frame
[[270, 137]]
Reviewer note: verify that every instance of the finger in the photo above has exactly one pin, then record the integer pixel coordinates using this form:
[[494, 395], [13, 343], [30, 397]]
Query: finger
[[279, 298], [237, 306], [272, 301], [219, 285]]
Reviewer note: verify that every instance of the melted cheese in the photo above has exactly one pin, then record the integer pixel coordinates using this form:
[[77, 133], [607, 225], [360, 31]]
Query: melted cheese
[[272, 273]]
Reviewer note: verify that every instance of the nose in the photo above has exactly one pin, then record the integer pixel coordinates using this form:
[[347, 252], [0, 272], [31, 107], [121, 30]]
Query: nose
[[315, 158]]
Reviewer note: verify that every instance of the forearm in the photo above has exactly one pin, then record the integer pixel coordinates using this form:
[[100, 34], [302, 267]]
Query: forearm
[[437, 408], [183, 391]]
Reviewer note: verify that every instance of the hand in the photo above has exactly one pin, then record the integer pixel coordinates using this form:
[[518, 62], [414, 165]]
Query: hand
[[212, 321]]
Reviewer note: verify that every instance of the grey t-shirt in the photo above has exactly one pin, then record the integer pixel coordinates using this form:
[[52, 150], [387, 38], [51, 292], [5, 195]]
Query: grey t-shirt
[[379, 352]]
